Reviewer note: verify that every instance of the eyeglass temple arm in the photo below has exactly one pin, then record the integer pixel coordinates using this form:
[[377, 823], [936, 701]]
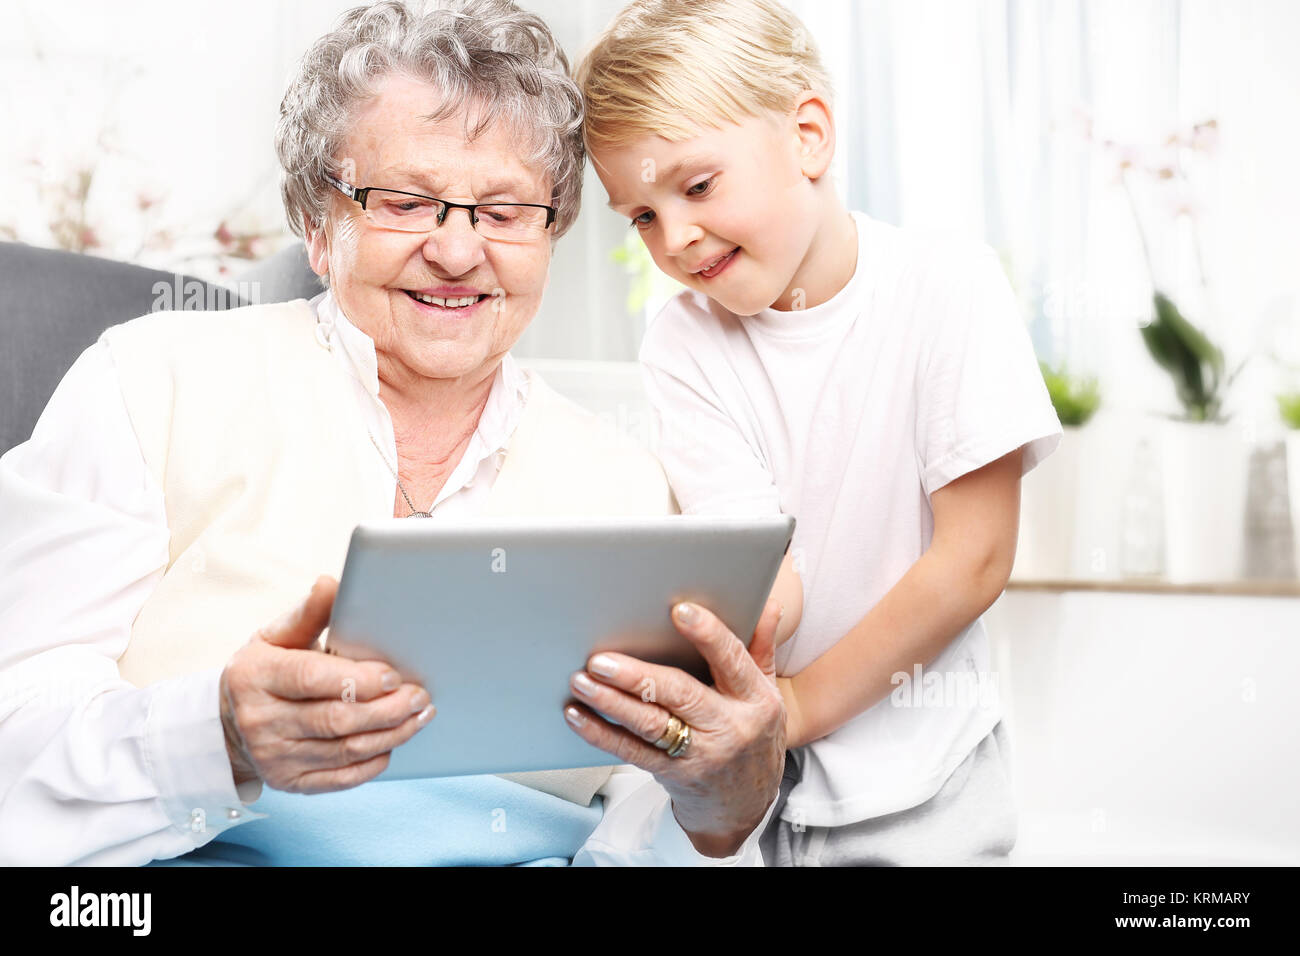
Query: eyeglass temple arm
[[352, 192]]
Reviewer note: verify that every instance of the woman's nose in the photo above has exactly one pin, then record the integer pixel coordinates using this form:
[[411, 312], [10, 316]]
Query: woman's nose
[[454, 246]]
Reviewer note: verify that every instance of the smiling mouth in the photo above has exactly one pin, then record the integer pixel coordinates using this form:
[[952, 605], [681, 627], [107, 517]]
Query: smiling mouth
[[451, 302], [718, 264]]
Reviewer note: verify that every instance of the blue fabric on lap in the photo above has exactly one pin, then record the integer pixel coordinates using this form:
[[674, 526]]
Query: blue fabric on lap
[[450, 821]]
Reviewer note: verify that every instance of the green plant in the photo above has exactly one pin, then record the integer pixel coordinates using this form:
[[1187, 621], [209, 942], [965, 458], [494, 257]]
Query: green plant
[[1075, 399], [646, 281], [1194, 363], [1288, 403]]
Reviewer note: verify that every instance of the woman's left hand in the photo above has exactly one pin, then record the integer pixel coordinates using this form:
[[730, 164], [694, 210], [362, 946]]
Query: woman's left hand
[[722, 785]]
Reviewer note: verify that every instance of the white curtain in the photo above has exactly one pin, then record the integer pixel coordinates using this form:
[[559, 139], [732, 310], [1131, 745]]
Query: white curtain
[[585, 313], [969, 117]]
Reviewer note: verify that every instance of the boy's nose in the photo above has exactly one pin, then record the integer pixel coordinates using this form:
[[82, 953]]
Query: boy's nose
[[680, 235]]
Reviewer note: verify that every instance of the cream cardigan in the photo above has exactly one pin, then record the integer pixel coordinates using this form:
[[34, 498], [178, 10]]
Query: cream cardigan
[[252, 431]]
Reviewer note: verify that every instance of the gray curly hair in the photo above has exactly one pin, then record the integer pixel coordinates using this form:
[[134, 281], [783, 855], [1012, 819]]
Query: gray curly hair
[[487, 52]]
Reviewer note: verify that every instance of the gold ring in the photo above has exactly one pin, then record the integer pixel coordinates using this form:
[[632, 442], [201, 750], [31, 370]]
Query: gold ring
[[683, 741], [671, 733]]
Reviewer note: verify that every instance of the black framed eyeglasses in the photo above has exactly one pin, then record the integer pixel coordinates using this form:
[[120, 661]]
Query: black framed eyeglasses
[[412, 212]]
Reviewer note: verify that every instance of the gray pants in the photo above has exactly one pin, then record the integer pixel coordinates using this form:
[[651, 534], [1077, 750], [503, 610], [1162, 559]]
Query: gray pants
[[971, 821]]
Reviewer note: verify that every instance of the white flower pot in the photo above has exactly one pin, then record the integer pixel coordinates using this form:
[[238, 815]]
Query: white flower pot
[[1102, 461], [1293, 490], [1205, 499], [1048, 506]]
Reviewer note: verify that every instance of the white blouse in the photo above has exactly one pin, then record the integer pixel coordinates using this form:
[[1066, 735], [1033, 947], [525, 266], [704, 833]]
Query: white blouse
[[94, 770]]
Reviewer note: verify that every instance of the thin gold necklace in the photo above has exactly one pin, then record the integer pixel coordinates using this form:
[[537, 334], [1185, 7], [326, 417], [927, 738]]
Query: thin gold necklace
[[415, 513]]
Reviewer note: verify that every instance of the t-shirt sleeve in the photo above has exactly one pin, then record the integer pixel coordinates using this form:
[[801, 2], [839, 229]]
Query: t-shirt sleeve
[[981, 394], [713, 461]]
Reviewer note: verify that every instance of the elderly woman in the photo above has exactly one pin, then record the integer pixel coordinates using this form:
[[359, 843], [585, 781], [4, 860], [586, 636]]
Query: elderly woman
[[194, 475]]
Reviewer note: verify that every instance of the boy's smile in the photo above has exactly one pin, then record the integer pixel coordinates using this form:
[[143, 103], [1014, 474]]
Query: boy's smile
[[728, 212], [717, 265]]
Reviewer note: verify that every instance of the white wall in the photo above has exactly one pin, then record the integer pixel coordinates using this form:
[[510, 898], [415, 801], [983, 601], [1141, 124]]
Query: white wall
[[1151, 729]]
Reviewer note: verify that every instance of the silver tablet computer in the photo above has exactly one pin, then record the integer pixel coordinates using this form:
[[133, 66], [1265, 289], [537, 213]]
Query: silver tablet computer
[[493, 617]]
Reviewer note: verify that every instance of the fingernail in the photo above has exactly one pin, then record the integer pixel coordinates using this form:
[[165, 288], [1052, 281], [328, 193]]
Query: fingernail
[[574, 716], [425, 715], [419, 701], [584, 685], [391, 681], [603, 665], [686, 613]]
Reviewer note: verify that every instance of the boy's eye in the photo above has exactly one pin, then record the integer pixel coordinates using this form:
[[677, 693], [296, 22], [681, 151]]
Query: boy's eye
[[702, 188], [641, 220]]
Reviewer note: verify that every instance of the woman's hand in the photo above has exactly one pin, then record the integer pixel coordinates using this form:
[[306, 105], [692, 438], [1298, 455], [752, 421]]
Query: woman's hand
[[723, 784], [309, 722]]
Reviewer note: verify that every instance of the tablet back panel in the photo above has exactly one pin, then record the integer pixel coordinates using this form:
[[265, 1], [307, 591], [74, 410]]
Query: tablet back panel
[[494, 616]]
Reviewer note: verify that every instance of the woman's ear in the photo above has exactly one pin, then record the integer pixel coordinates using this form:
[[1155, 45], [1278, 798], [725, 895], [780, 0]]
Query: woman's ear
[[318, 253], [815, 133]]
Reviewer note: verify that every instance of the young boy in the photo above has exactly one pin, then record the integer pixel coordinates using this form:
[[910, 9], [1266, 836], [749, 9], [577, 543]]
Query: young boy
[[873, 382]]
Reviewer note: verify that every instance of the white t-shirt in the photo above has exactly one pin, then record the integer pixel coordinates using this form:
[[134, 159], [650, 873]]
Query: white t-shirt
[[849, 415]]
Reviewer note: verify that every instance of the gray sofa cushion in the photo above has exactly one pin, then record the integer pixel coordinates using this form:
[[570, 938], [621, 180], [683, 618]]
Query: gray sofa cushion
[[54, 304], [282, 277]]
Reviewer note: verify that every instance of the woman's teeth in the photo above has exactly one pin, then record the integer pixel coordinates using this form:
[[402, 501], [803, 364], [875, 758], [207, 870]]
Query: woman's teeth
[[457, 303]]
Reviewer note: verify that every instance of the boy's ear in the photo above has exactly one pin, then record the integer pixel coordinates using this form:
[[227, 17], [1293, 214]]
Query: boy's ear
[[815, 130]]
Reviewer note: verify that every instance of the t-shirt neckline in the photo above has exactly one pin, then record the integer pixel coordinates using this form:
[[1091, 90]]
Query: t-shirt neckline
[[815, 321]]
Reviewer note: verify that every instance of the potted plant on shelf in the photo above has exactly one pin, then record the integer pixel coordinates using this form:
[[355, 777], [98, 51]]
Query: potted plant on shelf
[[1075, 398], [1050, 501], [1204, 457]]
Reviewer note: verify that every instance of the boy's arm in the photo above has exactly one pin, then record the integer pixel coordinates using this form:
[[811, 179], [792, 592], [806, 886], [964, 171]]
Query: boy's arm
[[787, 590], [976, 518]]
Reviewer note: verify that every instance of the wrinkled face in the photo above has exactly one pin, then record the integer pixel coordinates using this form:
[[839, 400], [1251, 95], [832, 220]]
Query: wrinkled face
[[727, 212], [375, 274]]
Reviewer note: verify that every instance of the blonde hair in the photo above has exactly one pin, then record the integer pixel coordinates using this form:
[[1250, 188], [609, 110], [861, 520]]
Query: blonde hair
[[671, 67]]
